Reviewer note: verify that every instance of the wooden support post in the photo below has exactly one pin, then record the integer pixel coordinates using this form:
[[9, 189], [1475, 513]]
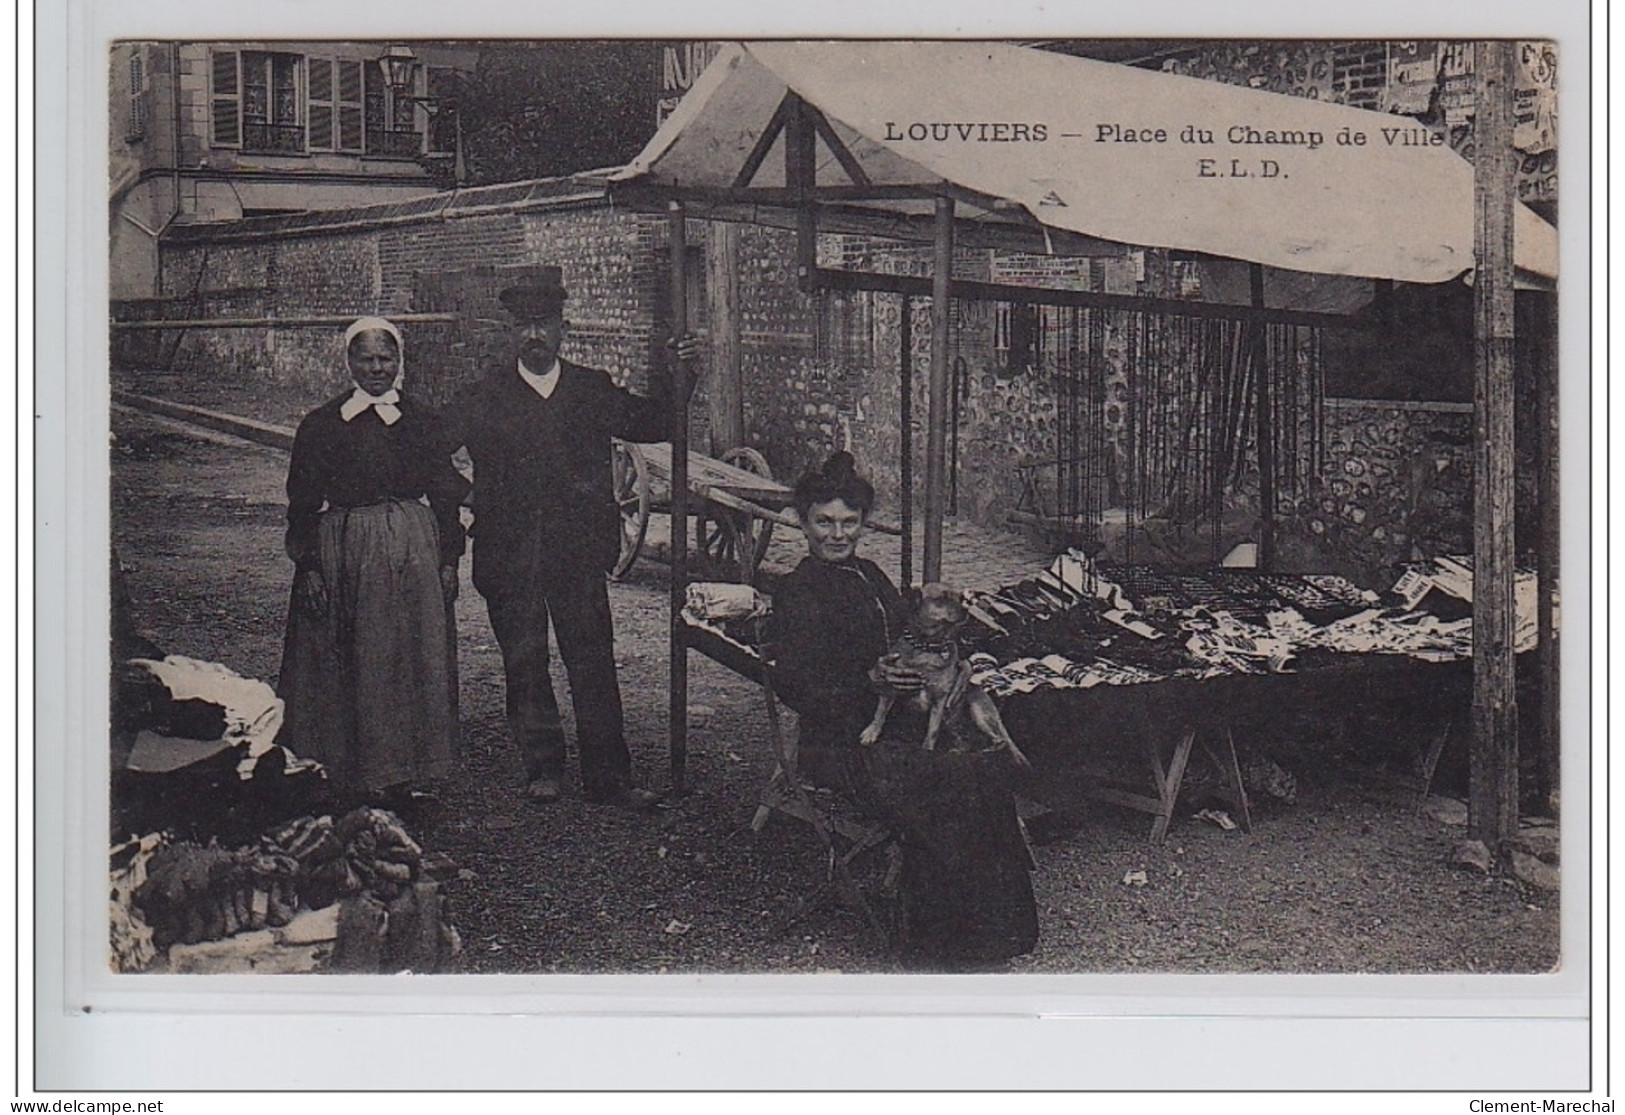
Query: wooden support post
[[1547, 555], [1263, 403], [1493, 781], [905, 418], [677, 236], [800, 175], [725, 388], [1168, 783], [936, 440]]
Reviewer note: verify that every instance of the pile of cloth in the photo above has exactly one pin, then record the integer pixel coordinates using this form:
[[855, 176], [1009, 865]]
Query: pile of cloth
[[195, 709], [1080, 624], [364, 867], [195, 753]]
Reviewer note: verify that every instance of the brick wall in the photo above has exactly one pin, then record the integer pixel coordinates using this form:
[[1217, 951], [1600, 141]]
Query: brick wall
[[1397, 483], [796, 384], [1359, 74], [286, 277], [443, 246], [616, 270]]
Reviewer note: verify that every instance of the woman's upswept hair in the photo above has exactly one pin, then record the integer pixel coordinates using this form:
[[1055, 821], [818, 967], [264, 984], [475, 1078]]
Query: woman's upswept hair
[[836, 478]]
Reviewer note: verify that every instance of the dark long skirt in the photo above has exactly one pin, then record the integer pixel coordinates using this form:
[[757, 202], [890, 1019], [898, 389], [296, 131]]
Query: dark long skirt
[[966, 882], [369, 686]]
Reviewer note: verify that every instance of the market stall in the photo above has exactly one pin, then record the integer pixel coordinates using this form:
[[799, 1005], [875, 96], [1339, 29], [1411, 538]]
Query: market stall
[[995, 145], [1115, 678]]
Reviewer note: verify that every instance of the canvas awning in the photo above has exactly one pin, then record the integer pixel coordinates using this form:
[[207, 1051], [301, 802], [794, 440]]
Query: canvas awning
[[1029, 140]]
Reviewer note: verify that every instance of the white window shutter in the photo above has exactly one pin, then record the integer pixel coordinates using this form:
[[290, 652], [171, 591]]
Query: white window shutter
[[225, 98]]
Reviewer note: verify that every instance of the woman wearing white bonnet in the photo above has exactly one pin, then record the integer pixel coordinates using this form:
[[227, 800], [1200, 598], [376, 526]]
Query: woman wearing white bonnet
[[368, 667]]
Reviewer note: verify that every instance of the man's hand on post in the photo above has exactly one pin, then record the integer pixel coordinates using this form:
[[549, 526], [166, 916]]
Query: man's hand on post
[[685, 370]]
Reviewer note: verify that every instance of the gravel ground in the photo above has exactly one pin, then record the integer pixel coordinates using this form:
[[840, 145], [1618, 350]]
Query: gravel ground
[[1351, 878]]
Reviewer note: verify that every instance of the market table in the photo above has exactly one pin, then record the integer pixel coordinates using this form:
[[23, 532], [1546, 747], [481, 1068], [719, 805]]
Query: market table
[[1097, 744], [1105, 692]]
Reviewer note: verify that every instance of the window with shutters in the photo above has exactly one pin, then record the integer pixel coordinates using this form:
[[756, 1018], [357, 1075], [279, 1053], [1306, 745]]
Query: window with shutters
[[334, 104], [225, 99], [277, 103], [137, 130], [272, 119]]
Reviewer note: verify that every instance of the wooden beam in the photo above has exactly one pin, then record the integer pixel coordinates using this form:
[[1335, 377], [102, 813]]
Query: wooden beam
[[776, 197], [764, 143], [972, 291], [936, 442], [1549, 551], [644, 195], [725, 388], [677, 238], [849, 162], [842, 211], [1263, 404], [1493, 779], [905, 421]]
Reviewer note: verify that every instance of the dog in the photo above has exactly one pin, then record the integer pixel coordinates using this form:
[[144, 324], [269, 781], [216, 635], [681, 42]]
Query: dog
[[930, 646]]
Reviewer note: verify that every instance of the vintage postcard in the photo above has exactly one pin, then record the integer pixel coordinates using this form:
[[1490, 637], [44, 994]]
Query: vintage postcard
[[854, 508]]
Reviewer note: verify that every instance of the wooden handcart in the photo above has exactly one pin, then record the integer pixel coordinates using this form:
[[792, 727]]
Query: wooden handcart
[[735, 502]]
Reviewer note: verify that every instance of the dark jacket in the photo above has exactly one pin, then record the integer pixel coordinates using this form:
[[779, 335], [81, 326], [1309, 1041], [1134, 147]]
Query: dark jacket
[[829, 625], [354, 464], [543, 498]]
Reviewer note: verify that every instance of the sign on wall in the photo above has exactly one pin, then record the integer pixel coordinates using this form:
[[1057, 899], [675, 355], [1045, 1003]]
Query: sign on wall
[[680, 64], [1428, 76]]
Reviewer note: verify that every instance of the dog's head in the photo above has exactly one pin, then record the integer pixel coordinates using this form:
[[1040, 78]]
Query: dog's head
[[938, 613]]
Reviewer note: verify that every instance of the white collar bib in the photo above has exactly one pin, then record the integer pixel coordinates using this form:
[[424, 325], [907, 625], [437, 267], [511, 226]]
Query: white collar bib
[[544, 384], [385, 405]]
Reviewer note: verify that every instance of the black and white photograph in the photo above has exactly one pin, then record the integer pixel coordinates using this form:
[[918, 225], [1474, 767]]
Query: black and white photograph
[[805, 506], [954, 512]]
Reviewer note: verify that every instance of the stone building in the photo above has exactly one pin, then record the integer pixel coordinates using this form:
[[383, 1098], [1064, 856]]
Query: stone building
[[219, 131], [1381, 464]]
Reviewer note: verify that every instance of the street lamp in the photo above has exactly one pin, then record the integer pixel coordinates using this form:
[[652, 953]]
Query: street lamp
[[399, 66], [398, 62]]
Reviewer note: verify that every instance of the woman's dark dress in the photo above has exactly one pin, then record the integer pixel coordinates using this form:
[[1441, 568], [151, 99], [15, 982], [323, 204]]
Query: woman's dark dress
[[966, 885], [370, 686]]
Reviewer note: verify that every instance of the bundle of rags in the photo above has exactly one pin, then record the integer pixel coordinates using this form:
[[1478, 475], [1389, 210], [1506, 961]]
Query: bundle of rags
[[195, 753], [375, 893]]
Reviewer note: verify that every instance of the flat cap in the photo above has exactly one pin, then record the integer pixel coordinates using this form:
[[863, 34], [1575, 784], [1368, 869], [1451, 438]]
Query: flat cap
[[540, 292]]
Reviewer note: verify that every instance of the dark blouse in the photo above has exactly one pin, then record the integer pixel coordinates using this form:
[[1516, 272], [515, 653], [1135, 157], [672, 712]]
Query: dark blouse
[[354, 464], [830, 623]]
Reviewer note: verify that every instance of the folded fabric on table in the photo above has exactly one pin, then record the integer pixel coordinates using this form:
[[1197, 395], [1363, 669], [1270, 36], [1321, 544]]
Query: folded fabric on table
[[720, 602], [250, 711]]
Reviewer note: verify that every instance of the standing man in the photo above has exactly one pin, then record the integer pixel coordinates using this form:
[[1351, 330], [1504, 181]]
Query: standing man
[[547, 528]]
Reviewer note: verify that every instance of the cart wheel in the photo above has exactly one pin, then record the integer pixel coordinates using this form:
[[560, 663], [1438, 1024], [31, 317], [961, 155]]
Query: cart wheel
[[719, 539], [758, 532], [630, 481]]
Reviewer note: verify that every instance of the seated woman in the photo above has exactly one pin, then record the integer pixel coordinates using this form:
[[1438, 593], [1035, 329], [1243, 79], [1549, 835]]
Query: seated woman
[[967, 898]]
